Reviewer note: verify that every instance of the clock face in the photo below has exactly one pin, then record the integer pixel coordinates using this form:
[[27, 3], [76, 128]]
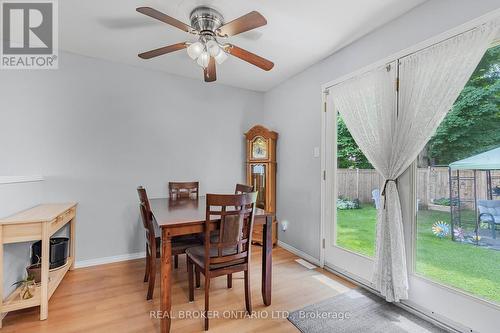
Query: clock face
[[259, 148]]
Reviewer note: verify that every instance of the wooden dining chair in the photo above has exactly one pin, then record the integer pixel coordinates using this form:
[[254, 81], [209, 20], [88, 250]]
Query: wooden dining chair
[[184, 190], [153, 241], [230, 253], [240, 188], [177, 190]]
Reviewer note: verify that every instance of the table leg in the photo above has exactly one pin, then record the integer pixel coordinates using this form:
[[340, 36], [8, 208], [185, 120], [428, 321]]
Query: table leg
[[166, 280], [267, 260], [72, 245], [44, 294]]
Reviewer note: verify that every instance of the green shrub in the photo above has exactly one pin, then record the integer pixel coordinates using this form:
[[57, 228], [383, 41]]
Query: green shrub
[[444, 202], [346, 203]]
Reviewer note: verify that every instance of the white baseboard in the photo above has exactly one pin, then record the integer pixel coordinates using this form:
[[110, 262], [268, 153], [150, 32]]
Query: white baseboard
[[109, 260], [299, 253]]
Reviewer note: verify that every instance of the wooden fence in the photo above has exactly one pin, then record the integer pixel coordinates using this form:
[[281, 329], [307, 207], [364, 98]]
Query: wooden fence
[[432, 183]]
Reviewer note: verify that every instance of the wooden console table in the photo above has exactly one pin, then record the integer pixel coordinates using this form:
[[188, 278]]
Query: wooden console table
[[37, 223]]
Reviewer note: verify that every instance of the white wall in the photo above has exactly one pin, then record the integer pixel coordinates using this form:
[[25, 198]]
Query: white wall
[[96, 130], [293, 109]]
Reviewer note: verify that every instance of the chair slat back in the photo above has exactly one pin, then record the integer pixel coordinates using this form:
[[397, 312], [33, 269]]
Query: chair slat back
[[177, 190], [236, 214], [146, 213], [241, 188]]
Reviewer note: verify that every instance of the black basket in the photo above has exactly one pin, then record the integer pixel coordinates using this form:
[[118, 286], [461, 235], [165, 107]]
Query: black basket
[[58, 251]]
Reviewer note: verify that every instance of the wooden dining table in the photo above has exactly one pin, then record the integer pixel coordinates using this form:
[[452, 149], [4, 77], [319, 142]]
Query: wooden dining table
[[187, 216]]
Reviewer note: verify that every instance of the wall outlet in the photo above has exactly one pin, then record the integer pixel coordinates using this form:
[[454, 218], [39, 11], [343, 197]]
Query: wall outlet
[[284, 225], [316, 152]]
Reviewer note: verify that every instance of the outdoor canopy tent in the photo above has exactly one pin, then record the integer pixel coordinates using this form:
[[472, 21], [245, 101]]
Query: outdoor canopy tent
[[486, 161], [489, 160]]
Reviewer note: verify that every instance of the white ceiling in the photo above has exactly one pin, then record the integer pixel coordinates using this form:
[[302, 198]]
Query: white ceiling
[[298, 33]]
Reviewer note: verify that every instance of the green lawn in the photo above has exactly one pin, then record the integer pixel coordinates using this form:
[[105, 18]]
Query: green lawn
[[356, 230], [463, 266]]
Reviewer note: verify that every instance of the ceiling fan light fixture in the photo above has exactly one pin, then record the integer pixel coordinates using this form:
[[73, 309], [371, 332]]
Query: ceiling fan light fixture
[[195, 50], [203, 59], [221, 57], [213, 48]]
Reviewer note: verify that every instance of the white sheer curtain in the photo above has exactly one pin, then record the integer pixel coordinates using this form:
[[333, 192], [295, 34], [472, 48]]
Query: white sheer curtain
[[391, 129]]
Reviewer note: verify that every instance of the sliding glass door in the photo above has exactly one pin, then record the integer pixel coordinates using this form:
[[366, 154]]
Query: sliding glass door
[[450, 200]]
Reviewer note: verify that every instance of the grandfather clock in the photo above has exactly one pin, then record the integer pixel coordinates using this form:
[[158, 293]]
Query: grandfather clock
[[261, 173]]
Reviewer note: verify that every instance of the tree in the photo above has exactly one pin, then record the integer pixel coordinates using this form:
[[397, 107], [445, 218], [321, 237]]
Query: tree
[[348, 153], [473, 124]]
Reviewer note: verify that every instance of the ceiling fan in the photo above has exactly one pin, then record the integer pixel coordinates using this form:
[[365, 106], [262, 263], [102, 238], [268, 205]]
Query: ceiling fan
[[209, 27]]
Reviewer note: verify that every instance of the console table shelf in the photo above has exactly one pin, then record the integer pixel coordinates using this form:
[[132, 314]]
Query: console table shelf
[[14, 301], [37, 223]]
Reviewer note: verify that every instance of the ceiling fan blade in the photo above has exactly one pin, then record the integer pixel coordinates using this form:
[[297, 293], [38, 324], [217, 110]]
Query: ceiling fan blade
[[163, 50], [210, 72], [244, 23], [164, 18], [250, 57]]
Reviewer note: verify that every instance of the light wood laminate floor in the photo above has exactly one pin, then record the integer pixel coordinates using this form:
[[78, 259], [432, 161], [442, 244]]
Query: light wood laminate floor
[[112, 298]]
